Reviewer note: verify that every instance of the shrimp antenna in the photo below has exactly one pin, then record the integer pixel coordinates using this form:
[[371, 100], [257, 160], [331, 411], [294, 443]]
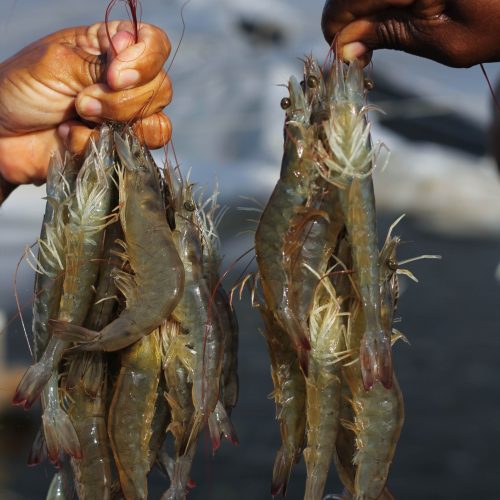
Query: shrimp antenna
[[497, 104], [18, 305], [184, 5]]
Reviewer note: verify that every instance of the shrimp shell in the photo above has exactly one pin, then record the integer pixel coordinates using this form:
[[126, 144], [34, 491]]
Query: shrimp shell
[[290, 399], [131, 414]]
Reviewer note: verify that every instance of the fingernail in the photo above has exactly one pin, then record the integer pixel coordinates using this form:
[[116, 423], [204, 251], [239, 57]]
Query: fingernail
[[63, 131], [353, 51], [127, 78], [90, 106]]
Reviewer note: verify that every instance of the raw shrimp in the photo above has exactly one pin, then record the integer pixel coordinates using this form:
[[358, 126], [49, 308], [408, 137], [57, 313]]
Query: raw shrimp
[[348, 163], [290, 196], [178, 362], [161, 420], [88, 216], [323, 383], [314, 230], [50, 262], [378, 419], [156, 286], [92, 471], [220, 422], [131, 413], [290, 399], [196, 312], [101, 313], [87, 395]]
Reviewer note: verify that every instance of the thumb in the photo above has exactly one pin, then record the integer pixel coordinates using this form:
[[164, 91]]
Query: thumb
[[119, 42], [436, 38]]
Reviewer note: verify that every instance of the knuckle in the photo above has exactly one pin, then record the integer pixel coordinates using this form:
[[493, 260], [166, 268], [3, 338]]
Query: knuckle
[[392, 34], [54, 52], [159, 36]]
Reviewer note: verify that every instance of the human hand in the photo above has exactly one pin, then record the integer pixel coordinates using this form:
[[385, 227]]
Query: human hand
[[46, 93], [457, 33]]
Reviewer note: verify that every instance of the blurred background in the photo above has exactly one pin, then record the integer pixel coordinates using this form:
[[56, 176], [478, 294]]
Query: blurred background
[[227, 123]]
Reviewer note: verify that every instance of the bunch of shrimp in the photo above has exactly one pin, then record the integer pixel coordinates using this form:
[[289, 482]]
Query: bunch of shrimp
[[129, 264], [201, 338], [329, 296]]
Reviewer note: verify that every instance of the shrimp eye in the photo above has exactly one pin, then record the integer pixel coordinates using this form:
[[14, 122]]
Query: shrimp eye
[[189, 206], [369, 85], [392, 264], [312, 81], [285, 103]]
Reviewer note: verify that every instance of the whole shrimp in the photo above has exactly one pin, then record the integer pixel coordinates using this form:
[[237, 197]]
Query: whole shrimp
[[82, 366], [290, 399], [290, 196], [378, 413], [219, 421], [196, 312], [50, 263], [88, 216], [87, 394], [178, 364], [314, 230], [151, 253], [347, 163], [50, 266], [327, 329], [92, 471], [131, 413]]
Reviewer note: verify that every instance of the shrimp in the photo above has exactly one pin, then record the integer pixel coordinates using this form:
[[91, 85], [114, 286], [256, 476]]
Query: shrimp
[[92, 471], [378, 413], [161, 419], [313, 230], [151, 253], [50, 261], [131, 413], [347, 163], [196, 313], [220, 422], [290, 399], [101, 313], [323, 385], [290, 196], [178, 361], [87, 396], [88, 216], [61, 487]]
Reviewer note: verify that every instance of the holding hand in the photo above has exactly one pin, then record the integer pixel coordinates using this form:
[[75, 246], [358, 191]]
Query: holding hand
[[457, 33], [57, 89]]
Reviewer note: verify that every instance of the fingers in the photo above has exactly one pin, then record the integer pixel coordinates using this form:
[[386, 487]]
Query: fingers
[[131, 62], [339, 13], [99, 102], [154, 132], [24, 159]]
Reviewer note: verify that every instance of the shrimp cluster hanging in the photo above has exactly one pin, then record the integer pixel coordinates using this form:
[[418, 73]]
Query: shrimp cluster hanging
[[134, 338], [328, 295]]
